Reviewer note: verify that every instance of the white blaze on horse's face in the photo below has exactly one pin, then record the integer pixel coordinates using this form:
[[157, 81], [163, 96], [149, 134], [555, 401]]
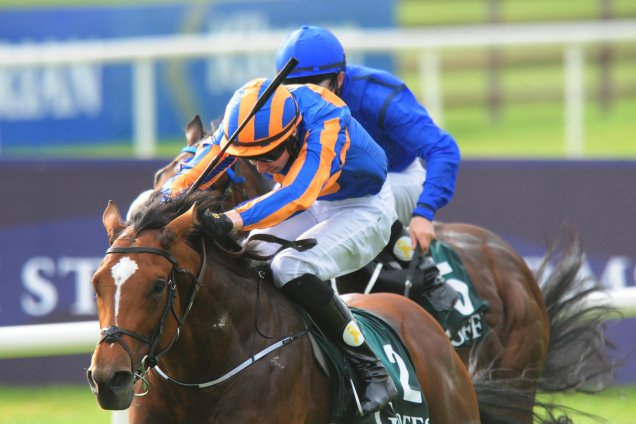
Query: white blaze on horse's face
[[121, 272]]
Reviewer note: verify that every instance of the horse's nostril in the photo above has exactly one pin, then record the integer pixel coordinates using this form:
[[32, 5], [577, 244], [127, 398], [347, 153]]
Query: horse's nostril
[[121, 379], [91, 381]]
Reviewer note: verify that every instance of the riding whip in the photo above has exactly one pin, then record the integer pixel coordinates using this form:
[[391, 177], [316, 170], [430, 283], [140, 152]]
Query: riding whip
[[259, 104]]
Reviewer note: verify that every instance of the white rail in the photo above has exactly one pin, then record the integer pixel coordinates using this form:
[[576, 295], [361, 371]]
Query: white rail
[[144, 52], [622, 299], [21, 341]]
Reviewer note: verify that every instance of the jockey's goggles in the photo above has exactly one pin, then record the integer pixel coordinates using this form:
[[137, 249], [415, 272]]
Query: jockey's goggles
[[271, 156]]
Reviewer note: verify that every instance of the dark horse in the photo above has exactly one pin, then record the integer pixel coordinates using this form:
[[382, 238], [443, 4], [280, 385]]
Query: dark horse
[[167, 296], [549, 334]]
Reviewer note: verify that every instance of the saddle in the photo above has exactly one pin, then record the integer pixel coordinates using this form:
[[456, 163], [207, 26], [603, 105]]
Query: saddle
[[387, 345]]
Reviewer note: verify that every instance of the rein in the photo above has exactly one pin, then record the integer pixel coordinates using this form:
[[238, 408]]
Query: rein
[[284, 341], [112, 334]]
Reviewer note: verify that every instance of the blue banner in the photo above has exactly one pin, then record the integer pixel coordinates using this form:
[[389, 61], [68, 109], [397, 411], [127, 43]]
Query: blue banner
[[91, 103]]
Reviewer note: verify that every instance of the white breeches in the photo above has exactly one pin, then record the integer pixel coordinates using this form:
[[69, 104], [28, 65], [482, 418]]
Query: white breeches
[[350, 233], [406, 187]]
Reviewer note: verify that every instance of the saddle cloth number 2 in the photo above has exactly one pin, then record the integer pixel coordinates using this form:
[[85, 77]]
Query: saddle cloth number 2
[[410, 394]]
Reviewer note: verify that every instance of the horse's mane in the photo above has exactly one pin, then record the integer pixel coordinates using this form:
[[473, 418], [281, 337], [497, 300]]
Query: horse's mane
[[155, 213]]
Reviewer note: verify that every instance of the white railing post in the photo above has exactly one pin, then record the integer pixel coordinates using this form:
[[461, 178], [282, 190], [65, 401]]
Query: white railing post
[[429, 65], [144, 109], [120, 417], [574, 100]]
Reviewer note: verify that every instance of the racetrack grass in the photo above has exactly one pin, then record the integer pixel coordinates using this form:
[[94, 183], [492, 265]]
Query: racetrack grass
[[444, 12], [50, 405], [77, 405], [614, 406], [538, 131]]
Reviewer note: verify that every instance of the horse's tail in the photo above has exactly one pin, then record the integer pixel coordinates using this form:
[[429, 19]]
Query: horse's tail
[[511, 400], [500, 401], [579, 355]]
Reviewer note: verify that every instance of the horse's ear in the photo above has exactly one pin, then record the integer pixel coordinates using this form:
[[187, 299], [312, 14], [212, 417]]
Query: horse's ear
[[194, 131], [182, 225], [112, 221]]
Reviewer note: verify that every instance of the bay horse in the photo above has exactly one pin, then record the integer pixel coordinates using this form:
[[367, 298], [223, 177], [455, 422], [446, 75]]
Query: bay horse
[[169, 297], [549, 335]]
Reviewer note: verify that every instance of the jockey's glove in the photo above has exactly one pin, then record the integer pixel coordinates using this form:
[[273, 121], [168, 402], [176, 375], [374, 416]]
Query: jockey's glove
[[215, 224]]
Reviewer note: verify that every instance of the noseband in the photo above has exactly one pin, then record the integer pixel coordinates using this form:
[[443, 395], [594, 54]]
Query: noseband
[[114, 334]]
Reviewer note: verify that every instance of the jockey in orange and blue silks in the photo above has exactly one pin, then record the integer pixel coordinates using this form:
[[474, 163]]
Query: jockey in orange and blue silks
[[332, 187], [334, 159]]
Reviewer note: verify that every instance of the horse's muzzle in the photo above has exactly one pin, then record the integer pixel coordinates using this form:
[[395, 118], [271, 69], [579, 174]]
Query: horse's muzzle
[[114, 389]]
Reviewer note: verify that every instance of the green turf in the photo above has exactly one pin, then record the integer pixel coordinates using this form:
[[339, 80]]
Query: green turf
[[538, 131], [615, 406], [50, 405], [444, 12]]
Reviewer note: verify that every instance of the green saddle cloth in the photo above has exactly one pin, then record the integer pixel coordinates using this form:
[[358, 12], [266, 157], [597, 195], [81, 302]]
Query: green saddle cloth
[[469, 310], [410, 404]]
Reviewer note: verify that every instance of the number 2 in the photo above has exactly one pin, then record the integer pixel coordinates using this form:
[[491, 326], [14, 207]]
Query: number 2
[[410, 394]]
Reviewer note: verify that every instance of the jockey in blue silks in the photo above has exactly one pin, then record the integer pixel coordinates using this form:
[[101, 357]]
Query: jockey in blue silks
[[391, 114], [332, 187]]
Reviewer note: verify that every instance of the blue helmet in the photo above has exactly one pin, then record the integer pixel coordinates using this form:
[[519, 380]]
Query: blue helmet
[[317, 50]]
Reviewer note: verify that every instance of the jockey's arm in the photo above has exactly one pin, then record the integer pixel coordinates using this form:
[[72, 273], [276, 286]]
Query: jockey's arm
[[414, 128], [191, 170]]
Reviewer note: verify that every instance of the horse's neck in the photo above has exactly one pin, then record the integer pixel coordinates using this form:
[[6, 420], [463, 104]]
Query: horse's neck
[[220, 331]]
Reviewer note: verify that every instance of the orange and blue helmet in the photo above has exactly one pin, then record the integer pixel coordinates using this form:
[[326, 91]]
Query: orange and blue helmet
[[318, 52], [273, 124]]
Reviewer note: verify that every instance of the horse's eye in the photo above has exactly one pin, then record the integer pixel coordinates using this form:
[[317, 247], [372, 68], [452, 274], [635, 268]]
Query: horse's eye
[[159, 287]]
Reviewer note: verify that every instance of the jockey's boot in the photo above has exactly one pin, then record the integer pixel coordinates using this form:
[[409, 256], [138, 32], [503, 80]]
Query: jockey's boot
[[428, 282], [426, 277], [430, 287], [335, 320]]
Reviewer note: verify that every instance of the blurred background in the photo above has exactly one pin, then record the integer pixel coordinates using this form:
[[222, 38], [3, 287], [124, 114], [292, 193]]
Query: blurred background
[[95, 95]]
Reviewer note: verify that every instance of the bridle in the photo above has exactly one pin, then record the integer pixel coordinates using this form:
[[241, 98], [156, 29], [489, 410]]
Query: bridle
[[113, 334]]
